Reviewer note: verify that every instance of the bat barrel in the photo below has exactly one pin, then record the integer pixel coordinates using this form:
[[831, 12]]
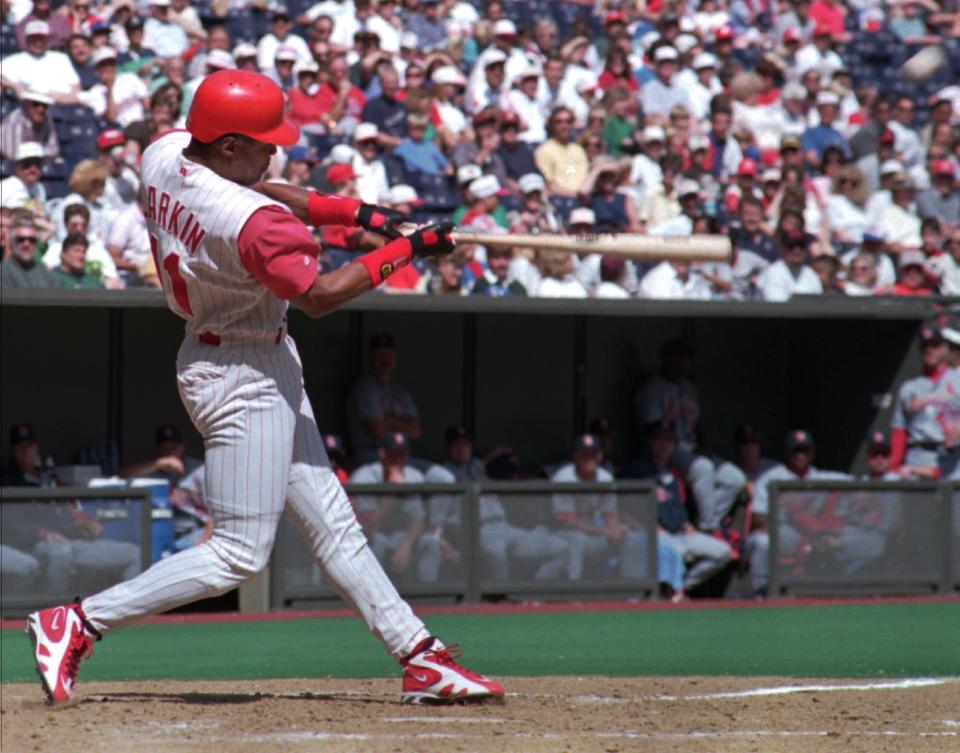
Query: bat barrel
[[624, 245]]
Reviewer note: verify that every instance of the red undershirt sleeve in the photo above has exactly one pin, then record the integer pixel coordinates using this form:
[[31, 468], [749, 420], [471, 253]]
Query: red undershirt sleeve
[[279, 251], [898, 448]]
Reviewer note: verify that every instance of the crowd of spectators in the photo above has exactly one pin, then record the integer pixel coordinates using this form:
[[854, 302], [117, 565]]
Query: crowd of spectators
[[784, 124]]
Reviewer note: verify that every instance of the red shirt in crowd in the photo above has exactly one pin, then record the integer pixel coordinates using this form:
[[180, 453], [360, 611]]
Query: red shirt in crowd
[[830, 15]]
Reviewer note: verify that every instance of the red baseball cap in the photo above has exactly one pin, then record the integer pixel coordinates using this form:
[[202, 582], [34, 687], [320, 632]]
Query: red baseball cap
[[340, 173], [941, 167], [614, 17], [747, 166], [109, 138], [792, 35], [822, 30], [887, 136], [724, 32]]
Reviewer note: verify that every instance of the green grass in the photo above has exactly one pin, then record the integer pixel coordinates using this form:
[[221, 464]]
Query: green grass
[[890, 640]]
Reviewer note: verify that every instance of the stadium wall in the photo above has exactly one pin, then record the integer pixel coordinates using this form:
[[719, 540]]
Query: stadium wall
[[524, 372]]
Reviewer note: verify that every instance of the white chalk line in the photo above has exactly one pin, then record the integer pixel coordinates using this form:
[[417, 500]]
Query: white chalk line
[[281, 737], [440, 720], [915, 682]]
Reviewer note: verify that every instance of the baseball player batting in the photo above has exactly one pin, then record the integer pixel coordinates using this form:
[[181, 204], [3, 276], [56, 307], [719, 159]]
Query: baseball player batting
[[231, 259]]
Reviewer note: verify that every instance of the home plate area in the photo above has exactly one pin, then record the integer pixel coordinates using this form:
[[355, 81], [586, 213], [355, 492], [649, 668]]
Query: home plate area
[[541, 714]]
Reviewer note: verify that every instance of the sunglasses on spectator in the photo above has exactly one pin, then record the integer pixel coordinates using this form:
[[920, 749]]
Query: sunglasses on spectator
[[31, 239], [43, 105], [32, 162], [567, 121]]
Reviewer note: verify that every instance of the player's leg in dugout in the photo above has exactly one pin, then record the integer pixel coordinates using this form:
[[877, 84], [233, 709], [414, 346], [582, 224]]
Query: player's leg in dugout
[[323, 513], [243, 403]]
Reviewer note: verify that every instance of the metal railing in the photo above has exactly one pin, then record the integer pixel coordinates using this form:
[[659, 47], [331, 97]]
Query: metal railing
[[35, 573], [839, 537], [296, 579]]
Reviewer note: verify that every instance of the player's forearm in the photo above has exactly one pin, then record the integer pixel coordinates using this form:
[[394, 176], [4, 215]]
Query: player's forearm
[[332, 290], [311, 207]]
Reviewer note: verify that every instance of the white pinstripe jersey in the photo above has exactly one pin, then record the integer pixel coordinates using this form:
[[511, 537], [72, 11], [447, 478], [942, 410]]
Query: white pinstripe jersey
[[194, 218]]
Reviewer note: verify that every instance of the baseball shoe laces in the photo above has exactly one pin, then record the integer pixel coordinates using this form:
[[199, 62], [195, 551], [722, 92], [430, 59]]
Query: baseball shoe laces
[[62, 637], [432, 675]]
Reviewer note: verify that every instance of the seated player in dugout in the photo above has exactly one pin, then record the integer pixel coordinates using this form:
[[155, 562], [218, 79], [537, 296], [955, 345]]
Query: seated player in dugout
[[396, 524], [232, 259], [378, 405]]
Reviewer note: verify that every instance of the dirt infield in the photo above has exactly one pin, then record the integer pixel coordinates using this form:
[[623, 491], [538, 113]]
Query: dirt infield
[[575, 714]]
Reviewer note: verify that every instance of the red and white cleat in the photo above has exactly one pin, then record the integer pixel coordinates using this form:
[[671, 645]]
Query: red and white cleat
[[430, 675], [61, 638]]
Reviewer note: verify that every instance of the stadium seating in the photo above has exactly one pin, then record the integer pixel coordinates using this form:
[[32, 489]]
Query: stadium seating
[[563, 205], [8, 39], [436, 191], [396, 172]]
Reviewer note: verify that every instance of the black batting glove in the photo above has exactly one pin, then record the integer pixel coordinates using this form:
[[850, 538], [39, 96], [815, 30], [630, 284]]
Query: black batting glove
[[432, 240], [381, 220]]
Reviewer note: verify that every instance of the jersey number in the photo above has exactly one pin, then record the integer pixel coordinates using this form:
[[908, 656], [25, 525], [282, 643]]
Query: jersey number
[[171, 264]]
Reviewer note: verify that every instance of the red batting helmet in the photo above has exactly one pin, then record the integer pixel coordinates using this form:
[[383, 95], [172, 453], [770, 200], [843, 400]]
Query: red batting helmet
[[236, 101]]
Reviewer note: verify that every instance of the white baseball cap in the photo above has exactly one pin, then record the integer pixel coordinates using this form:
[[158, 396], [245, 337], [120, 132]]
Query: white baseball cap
[[891, 166], [531, 182], [485, 186], [504, 28], [468, 173], [698, 141], [492, 57], [36, 28], [102, 54], [161, 3], [531, 71], [305, 66], [704, 60], [409, 40], [771, 175], [448, 74], [28, 150], [793, 90], [285, 52], [366, 132], [665, 53], [686, 187], [911, 258], [827, 97], [32, 96], [583, 216], [647, 40], [586, 84], [244, 50], [342, 154], [220, 59], [685, 42], [654, 133], [402, 194]]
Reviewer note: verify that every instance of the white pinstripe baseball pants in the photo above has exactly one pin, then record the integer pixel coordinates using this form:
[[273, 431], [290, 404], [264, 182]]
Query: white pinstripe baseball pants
[[263, 452]]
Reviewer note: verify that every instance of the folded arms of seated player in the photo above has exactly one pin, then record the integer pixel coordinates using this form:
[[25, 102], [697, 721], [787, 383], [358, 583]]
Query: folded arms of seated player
[[279, 251]]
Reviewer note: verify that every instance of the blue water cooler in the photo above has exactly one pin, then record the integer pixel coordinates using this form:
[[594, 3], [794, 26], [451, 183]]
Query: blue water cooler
[[161, 514]]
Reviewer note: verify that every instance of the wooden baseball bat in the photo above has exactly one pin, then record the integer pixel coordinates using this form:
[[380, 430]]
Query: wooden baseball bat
[[625, 245]]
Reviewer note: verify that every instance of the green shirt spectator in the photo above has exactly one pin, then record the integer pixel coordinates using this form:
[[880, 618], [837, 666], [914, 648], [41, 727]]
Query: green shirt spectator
[[72, 272]]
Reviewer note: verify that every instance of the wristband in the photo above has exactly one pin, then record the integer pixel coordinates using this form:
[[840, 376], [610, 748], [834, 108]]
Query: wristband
[[331, 210], [387, 259]]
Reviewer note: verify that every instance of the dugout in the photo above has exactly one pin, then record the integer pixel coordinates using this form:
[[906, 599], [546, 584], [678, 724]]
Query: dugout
[[88, 366]]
